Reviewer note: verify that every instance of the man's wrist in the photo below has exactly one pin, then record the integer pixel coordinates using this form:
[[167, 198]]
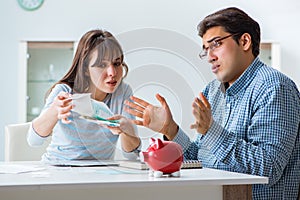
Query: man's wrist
[[172, 131]]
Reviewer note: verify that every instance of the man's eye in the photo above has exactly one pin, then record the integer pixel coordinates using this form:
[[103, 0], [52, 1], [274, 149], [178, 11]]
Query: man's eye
[[217, 43]]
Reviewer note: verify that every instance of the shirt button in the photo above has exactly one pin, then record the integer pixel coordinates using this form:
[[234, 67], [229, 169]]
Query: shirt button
[[228, 105]]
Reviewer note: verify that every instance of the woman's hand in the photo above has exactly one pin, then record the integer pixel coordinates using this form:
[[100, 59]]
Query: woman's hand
[[62, 105], [127, 132], [125, 126], [59, 109], [158, 119]]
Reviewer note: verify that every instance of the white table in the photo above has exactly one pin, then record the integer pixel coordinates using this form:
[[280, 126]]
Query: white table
[[122, 183]]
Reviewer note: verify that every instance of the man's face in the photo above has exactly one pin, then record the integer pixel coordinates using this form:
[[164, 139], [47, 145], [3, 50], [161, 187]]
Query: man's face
[[225, 55]]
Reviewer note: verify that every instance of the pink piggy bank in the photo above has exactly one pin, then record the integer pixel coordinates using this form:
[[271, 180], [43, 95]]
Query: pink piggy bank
[[163, 157]]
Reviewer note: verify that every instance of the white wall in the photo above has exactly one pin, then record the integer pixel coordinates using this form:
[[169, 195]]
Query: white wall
[[69, 19]]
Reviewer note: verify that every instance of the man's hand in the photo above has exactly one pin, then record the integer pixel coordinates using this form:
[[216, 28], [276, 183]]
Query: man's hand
[[158, 119], [202, 114]]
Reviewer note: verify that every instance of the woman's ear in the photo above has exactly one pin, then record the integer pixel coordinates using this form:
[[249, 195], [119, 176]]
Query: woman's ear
[[246, 41], [87, 72]]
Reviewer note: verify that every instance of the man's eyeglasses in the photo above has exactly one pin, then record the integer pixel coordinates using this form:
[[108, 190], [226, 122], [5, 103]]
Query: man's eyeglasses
[[213, 45]]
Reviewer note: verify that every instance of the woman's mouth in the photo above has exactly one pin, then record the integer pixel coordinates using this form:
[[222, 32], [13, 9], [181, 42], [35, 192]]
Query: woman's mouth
[[112, 83]]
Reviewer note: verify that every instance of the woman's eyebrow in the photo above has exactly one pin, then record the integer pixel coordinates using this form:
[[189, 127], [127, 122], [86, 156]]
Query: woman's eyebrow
[[117, 59]]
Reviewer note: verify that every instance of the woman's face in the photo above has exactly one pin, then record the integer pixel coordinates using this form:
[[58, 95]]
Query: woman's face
[[105, 76]]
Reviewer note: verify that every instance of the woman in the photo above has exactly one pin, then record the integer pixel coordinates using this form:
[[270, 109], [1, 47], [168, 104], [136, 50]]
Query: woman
[[98, 68]]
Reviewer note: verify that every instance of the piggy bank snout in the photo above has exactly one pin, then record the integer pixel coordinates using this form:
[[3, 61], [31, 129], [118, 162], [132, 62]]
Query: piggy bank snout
[[143, 156]]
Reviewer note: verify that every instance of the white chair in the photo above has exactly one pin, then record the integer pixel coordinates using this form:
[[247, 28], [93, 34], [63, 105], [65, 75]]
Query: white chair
[[16, 146]]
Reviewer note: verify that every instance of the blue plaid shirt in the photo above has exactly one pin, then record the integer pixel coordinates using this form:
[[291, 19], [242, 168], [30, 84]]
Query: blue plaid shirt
[[255, 131]]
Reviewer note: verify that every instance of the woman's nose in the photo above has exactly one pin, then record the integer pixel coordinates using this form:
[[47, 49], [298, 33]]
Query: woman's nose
[[111, 71]]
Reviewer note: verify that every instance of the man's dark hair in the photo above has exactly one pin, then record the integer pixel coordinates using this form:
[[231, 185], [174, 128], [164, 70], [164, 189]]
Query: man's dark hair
[[234, 21]]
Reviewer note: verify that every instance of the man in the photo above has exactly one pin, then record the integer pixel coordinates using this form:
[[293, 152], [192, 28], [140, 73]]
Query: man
[[247, 119]]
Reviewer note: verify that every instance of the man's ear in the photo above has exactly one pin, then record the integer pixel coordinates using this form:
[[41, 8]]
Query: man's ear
[[246, 41]]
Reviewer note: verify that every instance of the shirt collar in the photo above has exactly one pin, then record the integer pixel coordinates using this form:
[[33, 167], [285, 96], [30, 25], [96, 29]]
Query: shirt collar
[[244, 80]]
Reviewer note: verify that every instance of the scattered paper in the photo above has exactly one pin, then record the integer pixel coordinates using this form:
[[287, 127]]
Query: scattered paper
[[16, 169], [40, 174], [83, 163]]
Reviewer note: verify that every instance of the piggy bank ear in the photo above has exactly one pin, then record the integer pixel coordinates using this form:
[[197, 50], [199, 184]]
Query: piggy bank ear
[[152, 140], [159, 144], [152, 145]]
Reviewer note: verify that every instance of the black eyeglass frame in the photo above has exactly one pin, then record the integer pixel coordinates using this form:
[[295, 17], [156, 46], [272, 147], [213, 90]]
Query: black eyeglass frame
[[213, 45]]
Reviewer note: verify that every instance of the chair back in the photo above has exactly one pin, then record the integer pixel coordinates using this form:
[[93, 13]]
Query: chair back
[[16, 146]]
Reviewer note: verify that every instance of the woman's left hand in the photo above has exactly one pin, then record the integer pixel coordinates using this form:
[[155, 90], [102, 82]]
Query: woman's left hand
[[127, 131], [126, 126]]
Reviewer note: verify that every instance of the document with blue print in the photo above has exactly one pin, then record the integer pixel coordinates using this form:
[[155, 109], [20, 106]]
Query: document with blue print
[[92, 110]]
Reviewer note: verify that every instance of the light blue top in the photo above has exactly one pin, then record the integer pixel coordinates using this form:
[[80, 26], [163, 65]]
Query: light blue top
[[82, 139], [255, 131]]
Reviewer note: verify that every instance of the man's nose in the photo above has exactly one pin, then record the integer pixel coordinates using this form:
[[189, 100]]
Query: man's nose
[[211, 57]]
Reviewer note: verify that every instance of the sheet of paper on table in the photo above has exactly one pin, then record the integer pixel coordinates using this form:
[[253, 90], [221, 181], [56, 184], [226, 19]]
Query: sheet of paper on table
[[19, 168], [83, 163]]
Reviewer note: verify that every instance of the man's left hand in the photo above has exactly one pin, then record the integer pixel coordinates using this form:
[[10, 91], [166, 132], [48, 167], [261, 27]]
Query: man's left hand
[[202, 114]]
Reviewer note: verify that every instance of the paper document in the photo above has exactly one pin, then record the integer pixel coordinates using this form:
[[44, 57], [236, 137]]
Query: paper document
[[92, 110], [83, 104], [186, 164], [17, 168], [84, 163]]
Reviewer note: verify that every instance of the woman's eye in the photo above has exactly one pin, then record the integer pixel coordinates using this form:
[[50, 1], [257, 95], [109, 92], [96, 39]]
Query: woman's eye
[[117, 64], [102, 65]]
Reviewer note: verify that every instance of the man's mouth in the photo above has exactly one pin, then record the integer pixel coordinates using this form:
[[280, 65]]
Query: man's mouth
[[215, 68]]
